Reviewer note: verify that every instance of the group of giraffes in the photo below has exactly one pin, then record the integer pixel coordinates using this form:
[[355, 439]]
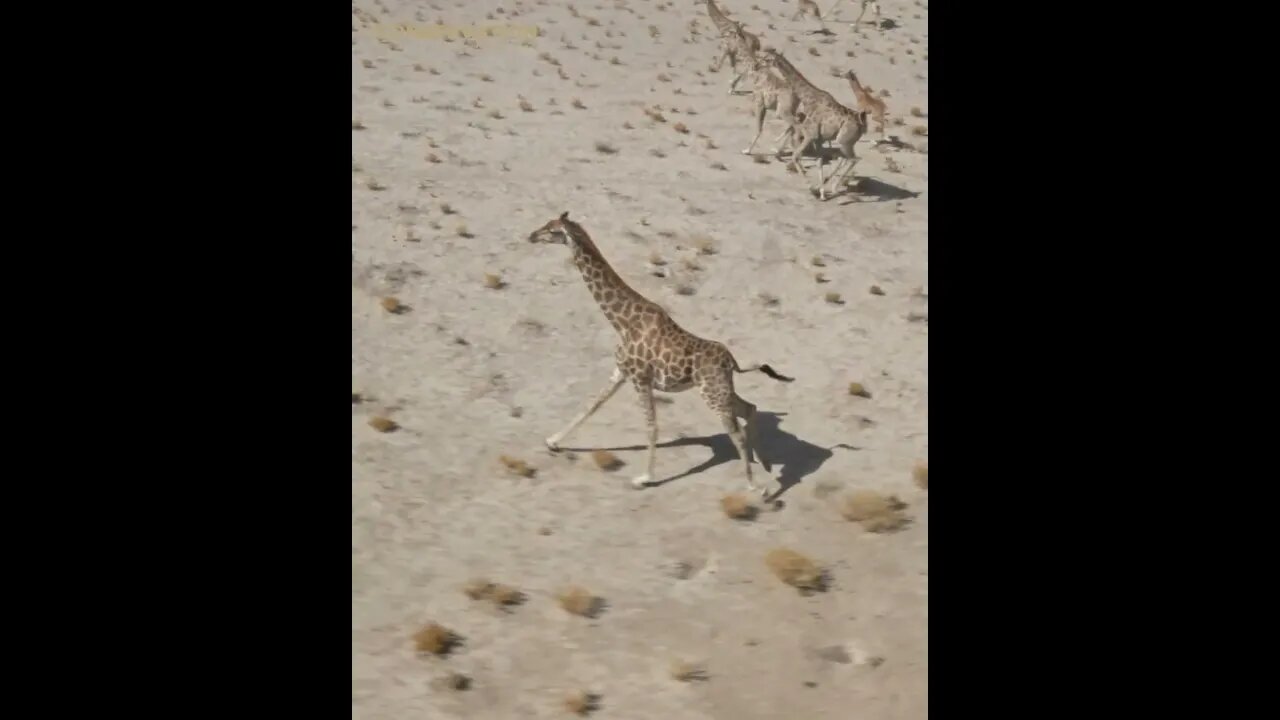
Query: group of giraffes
[[812, 115], [656, 354]]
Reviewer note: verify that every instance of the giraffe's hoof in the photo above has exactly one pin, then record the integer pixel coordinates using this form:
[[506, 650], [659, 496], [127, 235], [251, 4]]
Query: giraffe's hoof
[[746, 151], [641, 481], [552, 445]]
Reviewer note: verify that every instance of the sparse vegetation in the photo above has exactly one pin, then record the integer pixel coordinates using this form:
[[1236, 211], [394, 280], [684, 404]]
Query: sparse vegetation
[[705, 245], [796, 570], [738, 507], [436, 639], [357, 125], [383, 424], [875, 512], [920, 474], [463, 232], [606, 460], [503, 596], [605, 148], [578, 104], [579, 702], [393, 305], [516, 466], [876, 290], [685, 671], [578, 601], [494, 282], [833, 298], [856, 389], [680, 128], [920, 131]]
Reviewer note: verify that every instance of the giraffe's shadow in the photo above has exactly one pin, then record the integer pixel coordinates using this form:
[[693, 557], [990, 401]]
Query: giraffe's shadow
[[798, 458]]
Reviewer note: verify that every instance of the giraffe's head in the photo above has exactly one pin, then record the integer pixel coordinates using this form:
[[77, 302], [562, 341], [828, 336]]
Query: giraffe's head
[[555, 231]]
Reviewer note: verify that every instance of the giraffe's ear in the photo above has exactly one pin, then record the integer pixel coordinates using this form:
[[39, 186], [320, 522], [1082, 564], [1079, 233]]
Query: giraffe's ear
[[564, 215]]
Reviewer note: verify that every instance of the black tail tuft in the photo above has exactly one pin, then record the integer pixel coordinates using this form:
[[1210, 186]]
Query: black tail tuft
[[774, 374]]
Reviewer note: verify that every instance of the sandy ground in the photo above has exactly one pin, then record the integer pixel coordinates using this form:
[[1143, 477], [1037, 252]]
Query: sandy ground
[[471, 372]]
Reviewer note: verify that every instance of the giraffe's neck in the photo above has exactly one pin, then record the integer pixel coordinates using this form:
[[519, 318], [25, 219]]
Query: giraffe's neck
[[610, 291], [717, 17], [858, 90]]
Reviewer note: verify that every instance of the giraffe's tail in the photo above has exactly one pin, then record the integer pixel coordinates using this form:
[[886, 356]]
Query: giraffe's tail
[[764, 369]]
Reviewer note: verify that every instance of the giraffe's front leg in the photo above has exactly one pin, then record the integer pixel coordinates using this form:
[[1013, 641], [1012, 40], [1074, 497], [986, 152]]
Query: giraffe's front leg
[[645, 389], [615, 382]]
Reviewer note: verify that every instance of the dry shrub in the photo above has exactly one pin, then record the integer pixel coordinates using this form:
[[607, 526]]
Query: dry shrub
[[877, 513], [680, 128], [920, 475], [516, 466], [738, 507], [917, 112], [705, 245], [578, 601], [876, 290], [606, 460], [605, 148], [580, 702], [920, 130], [833, 298], [463, 231], [856, 388], [494, 282], [685, 671], [578, 104], [503, 596], [453, 681], [392, 305], [796, 570], [436, 639], [383, 424]]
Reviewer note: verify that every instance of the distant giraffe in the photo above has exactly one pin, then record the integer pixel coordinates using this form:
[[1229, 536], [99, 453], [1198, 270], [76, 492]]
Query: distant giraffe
[[824, 119], [862, 10], [740, 48], [654, 353], [809, 7]]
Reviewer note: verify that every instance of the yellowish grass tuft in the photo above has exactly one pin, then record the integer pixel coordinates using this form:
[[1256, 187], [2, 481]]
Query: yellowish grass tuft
[[578, 601], [705, 245], [877, 513], [580, 702], [463, 232], [920, 474], [796, 570], [833, 298], [436, 639], [392, 305], [503, 596], [680, 128], [606, 460], [494, 282], [685, 671], [920, 131], [454, 681], [383, 424], [516, 466], [738, 507], [605, 148], [857, 389]]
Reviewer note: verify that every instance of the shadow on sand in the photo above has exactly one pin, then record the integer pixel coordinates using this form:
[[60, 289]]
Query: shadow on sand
[[797, 458]]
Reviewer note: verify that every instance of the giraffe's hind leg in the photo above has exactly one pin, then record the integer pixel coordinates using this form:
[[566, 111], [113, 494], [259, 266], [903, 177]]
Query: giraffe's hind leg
[[645, 389], [747, 412], [720, 397], [615, 382]]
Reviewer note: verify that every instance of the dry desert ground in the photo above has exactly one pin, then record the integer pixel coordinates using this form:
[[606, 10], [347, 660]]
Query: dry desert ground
[[471, 345]]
